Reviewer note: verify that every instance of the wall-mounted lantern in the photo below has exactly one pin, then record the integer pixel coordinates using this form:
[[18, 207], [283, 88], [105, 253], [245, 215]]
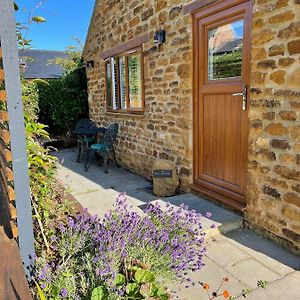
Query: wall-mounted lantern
[[90, 64], [159, 36]]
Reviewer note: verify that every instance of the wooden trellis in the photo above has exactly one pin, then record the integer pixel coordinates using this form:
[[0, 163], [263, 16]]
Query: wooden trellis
[[10, 214]]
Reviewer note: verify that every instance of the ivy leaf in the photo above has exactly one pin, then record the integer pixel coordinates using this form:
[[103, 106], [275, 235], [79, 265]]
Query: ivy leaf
[[143, 276], [16, 7], [120, 280], [38, 19], [99, 293]]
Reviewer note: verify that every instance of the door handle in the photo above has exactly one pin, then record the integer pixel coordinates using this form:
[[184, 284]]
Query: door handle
[[244, 95], [238, 94]]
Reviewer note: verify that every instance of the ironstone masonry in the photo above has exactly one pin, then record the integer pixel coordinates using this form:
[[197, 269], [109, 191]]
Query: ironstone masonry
[[164, 131]]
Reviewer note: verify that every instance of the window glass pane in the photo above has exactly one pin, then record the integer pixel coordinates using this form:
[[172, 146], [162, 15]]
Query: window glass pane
[[108, 85], [135, 81], [115, 88], [225, 51], [122, 78]]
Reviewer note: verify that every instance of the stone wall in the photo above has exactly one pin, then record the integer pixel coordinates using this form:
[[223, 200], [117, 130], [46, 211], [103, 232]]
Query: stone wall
[[274, 116], [8, 213], [165, 129]]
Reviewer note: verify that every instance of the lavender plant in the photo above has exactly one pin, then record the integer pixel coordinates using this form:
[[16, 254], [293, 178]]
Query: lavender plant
[[91, 254]]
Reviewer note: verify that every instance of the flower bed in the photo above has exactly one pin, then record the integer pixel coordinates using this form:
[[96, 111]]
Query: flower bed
[[122, 256]]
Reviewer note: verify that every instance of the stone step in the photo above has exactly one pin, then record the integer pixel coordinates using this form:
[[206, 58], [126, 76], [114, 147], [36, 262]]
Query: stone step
[[221, 221]]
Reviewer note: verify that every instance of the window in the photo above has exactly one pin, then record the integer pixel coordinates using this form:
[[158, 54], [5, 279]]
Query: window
[[124, 82]]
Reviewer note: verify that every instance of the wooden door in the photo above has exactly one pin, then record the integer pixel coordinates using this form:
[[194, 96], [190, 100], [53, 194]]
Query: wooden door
[[221, 61]]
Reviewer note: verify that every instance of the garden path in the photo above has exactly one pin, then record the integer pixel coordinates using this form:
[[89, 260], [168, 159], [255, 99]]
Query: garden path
[[241, 255]]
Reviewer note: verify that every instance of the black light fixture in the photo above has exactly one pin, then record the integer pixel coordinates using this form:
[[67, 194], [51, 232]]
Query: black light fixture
[[90, 64], [159, 36]]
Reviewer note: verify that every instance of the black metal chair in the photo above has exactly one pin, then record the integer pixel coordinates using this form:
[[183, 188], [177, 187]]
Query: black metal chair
[[86, 131], [105, 148]]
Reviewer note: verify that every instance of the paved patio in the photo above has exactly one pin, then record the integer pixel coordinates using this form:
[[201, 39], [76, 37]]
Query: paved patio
[[241, 255]]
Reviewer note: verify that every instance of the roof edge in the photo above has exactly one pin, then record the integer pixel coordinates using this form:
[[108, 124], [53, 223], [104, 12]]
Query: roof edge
[[89, 29], [40, 50]]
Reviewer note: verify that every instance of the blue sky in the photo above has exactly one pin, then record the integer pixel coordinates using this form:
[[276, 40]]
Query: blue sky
[[65, 19]]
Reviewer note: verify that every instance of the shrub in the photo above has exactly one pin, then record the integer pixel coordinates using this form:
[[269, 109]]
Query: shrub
[[47, 196], [92, 255], [62, 101], [30, 100]]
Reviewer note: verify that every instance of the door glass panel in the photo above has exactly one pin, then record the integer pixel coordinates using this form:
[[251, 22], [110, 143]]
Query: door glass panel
[[225, 51]]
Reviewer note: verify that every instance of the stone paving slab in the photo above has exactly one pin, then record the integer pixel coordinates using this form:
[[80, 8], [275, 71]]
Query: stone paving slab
[[223, 219], [287, 288], [212, 274], [79, 181], [143, 194], [249, 271], [224, 253], [99, 202], [276, 258]]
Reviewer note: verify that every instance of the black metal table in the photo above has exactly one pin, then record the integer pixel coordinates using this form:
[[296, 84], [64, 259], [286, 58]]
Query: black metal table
[[86, 136]]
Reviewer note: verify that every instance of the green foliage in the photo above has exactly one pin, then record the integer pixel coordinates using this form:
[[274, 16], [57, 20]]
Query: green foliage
[[138, 283], [47, 197], [245, 292], [227, 65], [63, 101], [143, 276], [30, 100], [99, 293], [74, 59], [22, 28], [16, 7], [120, 280], [40, 291], [38, 19], [262, 284]]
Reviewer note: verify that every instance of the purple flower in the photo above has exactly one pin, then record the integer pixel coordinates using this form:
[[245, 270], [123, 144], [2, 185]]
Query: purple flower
[[63, 293], [61, 227], [208, 215], [165, 237]]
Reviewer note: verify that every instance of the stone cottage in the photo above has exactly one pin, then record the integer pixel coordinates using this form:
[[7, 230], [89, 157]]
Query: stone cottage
[[212, 86]]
